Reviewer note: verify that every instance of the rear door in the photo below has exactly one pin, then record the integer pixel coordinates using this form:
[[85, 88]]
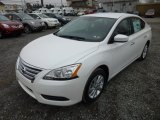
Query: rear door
[[139, 36]]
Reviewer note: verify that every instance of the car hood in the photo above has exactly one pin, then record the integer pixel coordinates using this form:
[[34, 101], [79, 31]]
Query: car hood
[[51, 52]]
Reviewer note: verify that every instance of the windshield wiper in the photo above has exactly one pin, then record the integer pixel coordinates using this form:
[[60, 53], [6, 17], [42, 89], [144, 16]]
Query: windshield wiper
[[72, 37]]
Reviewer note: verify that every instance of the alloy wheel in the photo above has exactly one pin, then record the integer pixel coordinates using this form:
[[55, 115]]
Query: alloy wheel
[[96, 86], [27, 29], [144, 54]]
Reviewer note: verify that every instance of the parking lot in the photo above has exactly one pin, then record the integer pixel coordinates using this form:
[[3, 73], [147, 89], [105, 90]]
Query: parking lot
[[134, 94]]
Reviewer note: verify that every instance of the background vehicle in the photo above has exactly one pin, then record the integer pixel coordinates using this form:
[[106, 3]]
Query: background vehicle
[[150, 13], [136, 12], [43, 10], [101, 11], [68, 11], [60, 18], [81, 13], [81, 57], [29, 23], [56, 10], [8, 27], [90, 11], [49, 22]]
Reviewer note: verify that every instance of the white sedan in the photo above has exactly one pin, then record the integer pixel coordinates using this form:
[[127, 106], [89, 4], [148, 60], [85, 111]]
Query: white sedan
[[49, 22], [75, 63]]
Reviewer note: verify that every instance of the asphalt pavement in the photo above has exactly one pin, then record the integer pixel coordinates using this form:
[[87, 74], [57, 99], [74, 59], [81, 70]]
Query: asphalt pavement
[[134, 94]]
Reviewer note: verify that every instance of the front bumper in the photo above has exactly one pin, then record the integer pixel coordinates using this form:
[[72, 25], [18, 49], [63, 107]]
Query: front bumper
[[13, 31], [68, 92]]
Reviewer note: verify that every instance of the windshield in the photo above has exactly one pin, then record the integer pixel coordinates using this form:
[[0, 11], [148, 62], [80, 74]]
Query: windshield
[[43, 16], [3, 18], [25, 16], [90, 29]]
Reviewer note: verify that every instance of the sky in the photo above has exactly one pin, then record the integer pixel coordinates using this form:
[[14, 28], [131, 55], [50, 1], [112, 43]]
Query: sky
[[35, 1]]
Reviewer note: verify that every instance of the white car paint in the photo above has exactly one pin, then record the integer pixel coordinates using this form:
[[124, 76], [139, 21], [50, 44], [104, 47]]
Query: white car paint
[[51, 22], [51, 52]]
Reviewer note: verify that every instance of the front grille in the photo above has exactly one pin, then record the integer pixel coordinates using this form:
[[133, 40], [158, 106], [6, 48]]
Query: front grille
[[27, 70]]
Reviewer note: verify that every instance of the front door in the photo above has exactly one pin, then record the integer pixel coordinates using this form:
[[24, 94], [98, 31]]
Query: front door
[[122, 53]]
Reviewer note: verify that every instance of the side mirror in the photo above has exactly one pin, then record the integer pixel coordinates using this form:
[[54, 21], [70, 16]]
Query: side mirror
[[121, 38]]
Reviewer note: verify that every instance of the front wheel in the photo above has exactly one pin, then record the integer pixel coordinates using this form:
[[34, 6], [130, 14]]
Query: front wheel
[[144, 52], [94, 86], [27, 29]]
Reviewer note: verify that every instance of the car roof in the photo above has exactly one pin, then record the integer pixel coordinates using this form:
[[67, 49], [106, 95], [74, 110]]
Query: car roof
[[110, 15]]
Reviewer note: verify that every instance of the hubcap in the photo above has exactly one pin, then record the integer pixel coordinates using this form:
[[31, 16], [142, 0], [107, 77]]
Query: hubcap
[[96, 86], [27, 30], [145, 51]]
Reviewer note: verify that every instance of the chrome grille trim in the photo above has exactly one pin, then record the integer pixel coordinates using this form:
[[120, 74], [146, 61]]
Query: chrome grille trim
[[27, 70]]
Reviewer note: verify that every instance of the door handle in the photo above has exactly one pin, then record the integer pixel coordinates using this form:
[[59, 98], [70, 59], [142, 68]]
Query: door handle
[[132, 43]]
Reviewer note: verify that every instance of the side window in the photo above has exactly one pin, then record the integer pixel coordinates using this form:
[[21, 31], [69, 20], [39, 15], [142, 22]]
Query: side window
[[15, 17], [34, 16], [124, 28], [137, 24], [9, 16]]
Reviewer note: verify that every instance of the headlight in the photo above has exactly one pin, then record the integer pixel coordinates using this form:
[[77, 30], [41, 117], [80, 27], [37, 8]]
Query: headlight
[[63, 73], [6, 26]]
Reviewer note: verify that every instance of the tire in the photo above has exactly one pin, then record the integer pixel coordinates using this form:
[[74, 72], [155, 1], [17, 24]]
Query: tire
[[144, 52], [46, 26], [1, 35], [27, 29], [93, 91]]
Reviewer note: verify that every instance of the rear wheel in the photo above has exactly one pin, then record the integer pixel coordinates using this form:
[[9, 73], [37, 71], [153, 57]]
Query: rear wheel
[[95, 85], [1, 35], [144, 52], [45, 26]]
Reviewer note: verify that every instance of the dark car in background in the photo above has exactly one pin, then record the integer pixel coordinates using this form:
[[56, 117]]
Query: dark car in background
[[8, 27], [61, 19], [30, 24], [150, 13]]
